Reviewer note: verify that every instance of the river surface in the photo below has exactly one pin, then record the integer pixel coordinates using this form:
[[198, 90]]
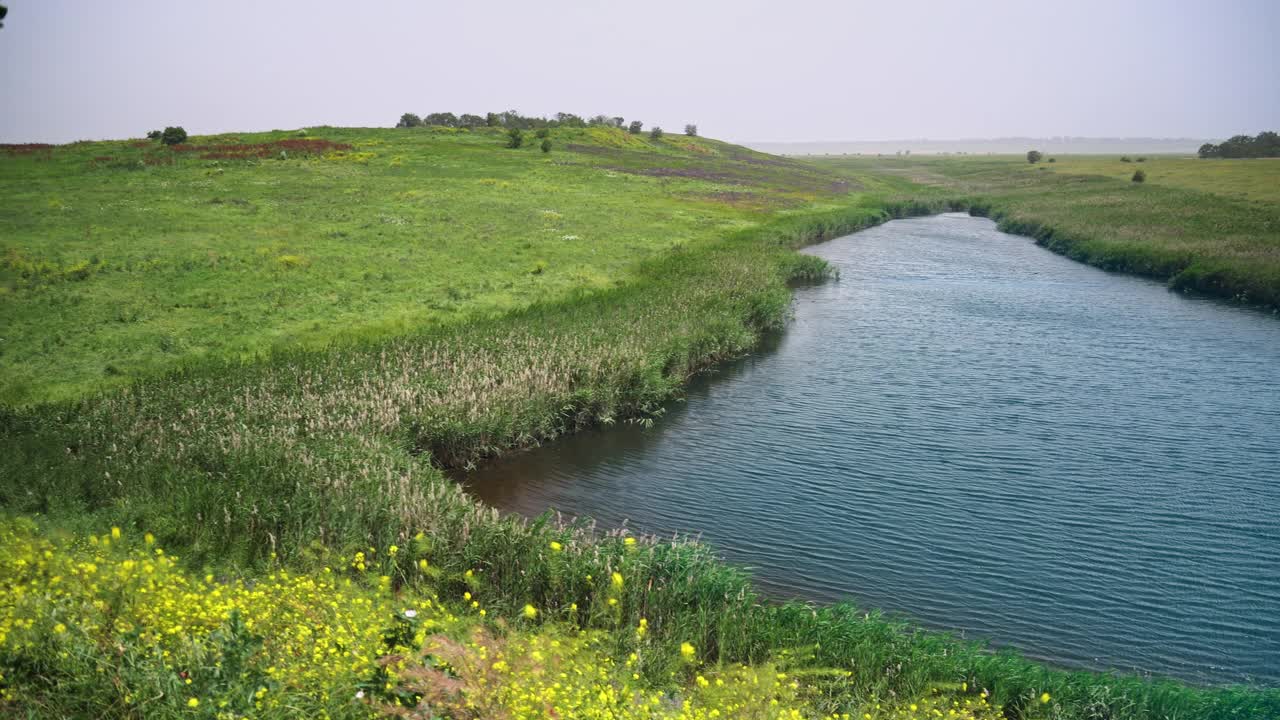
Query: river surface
[[972, 432]]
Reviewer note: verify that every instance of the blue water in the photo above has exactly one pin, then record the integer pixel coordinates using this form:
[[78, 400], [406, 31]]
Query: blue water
[[985, 437]]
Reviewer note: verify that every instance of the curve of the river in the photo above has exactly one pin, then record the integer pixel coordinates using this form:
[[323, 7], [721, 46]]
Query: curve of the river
[[985, 437]]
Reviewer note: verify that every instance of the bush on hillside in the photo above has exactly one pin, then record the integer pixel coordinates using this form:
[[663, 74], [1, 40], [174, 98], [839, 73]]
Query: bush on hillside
[[515, 138], [1139, 176], [546, 146], [173, 136], [635, 127], [543, 133], [655, 133], [691, 130], [1033, 156], [409, 120], [154, 135]]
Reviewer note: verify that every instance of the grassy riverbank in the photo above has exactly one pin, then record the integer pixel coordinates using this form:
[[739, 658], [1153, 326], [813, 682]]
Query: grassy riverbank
[[1209, 226], [321, 458]]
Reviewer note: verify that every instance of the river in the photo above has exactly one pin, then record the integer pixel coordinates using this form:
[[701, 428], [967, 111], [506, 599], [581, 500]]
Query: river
[[972, 432]]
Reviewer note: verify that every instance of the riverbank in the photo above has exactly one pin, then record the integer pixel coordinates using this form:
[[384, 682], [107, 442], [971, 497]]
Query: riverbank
[[314, 458], [1200, 225]]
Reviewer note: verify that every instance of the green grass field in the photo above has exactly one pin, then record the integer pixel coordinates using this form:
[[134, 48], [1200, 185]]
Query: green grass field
[[1209, 226], [112, 269], [262, 366]]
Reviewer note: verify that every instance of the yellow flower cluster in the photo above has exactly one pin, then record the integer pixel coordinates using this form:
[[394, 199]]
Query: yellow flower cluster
[[570, 674], [166, 643], [311, 640]]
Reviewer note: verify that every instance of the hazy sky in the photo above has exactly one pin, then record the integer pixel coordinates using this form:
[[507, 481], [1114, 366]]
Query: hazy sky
[[743, 70]]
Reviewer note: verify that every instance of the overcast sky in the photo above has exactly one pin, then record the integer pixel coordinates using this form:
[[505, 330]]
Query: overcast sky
[[743, 70]]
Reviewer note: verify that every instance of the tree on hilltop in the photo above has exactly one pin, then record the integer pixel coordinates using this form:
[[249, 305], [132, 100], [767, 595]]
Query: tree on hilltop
[[691, 130], [409, 120], [635, 127], [173, 135], [1033, 156]]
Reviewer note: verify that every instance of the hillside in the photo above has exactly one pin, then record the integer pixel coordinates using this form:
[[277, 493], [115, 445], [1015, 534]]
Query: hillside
[[122, 259]]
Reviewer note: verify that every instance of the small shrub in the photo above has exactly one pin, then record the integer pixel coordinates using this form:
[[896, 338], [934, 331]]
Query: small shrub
[[691, 130], [655, 133], [1033, 156], [1053, 159], [546, 146], [543, 133], [1125, 158], [154, 135], [409, 120], [635, 127], [515, 138], [173, 136], [1141, 159], [1139, 176]]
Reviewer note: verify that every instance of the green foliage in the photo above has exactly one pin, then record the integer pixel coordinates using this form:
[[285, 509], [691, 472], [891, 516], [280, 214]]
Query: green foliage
[[543, 133], [1139, 176], [691, 130], [635, 127], [655, 133], [546, 146], [409, 120], [1264, 145], [173, 136], [154, 135], [1033, 156], [515, 138]]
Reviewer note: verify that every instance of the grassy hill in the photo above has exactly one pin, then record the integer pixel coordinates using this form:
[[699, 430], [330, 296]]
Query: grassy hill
[[121, 259]]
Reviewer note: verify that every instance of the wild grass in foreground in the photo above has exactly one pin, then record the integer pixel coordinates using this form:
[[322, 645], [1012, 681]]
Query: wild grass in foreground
[[109, 625]]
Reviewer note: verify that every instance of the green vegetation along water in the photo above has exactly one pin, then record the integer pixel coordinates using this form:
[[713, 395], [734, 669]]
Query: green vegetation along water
[[261, 349], [1208, 226], [987, 437]]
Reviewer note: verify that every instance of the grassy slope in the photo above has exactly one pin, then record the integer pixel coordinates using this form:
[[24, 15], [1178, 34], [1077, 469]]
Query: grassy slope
[[109, 271], [1207, 226], [293, 458]]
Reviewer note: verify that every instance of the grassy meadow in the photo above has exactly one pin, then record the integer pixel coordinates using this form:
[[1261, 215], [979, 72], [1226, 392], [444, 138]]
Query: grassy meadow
[[122, 259], [234, 372], [1208, 226]]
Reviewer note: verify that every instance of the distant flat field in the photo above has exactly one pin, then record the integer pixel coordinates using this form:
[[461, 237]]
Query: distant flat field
[[123, 258], [1257, 179]]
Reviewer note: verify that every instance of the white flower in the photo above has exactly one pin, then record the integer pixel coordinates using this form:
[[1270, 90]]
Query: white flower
[[359, 694], [569, 237], [411, 613]]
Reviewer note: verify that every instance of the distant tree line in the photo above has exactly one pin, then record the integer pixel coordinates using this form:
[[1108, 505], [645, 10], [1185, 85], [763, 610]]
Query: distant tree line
[[513, 120], [1265, 144]]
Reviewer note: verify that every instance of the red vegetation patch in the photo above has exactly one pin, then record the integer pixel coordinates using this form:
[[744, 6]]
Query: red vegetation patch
[[28, 149], [245, 151], [141, 144]]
